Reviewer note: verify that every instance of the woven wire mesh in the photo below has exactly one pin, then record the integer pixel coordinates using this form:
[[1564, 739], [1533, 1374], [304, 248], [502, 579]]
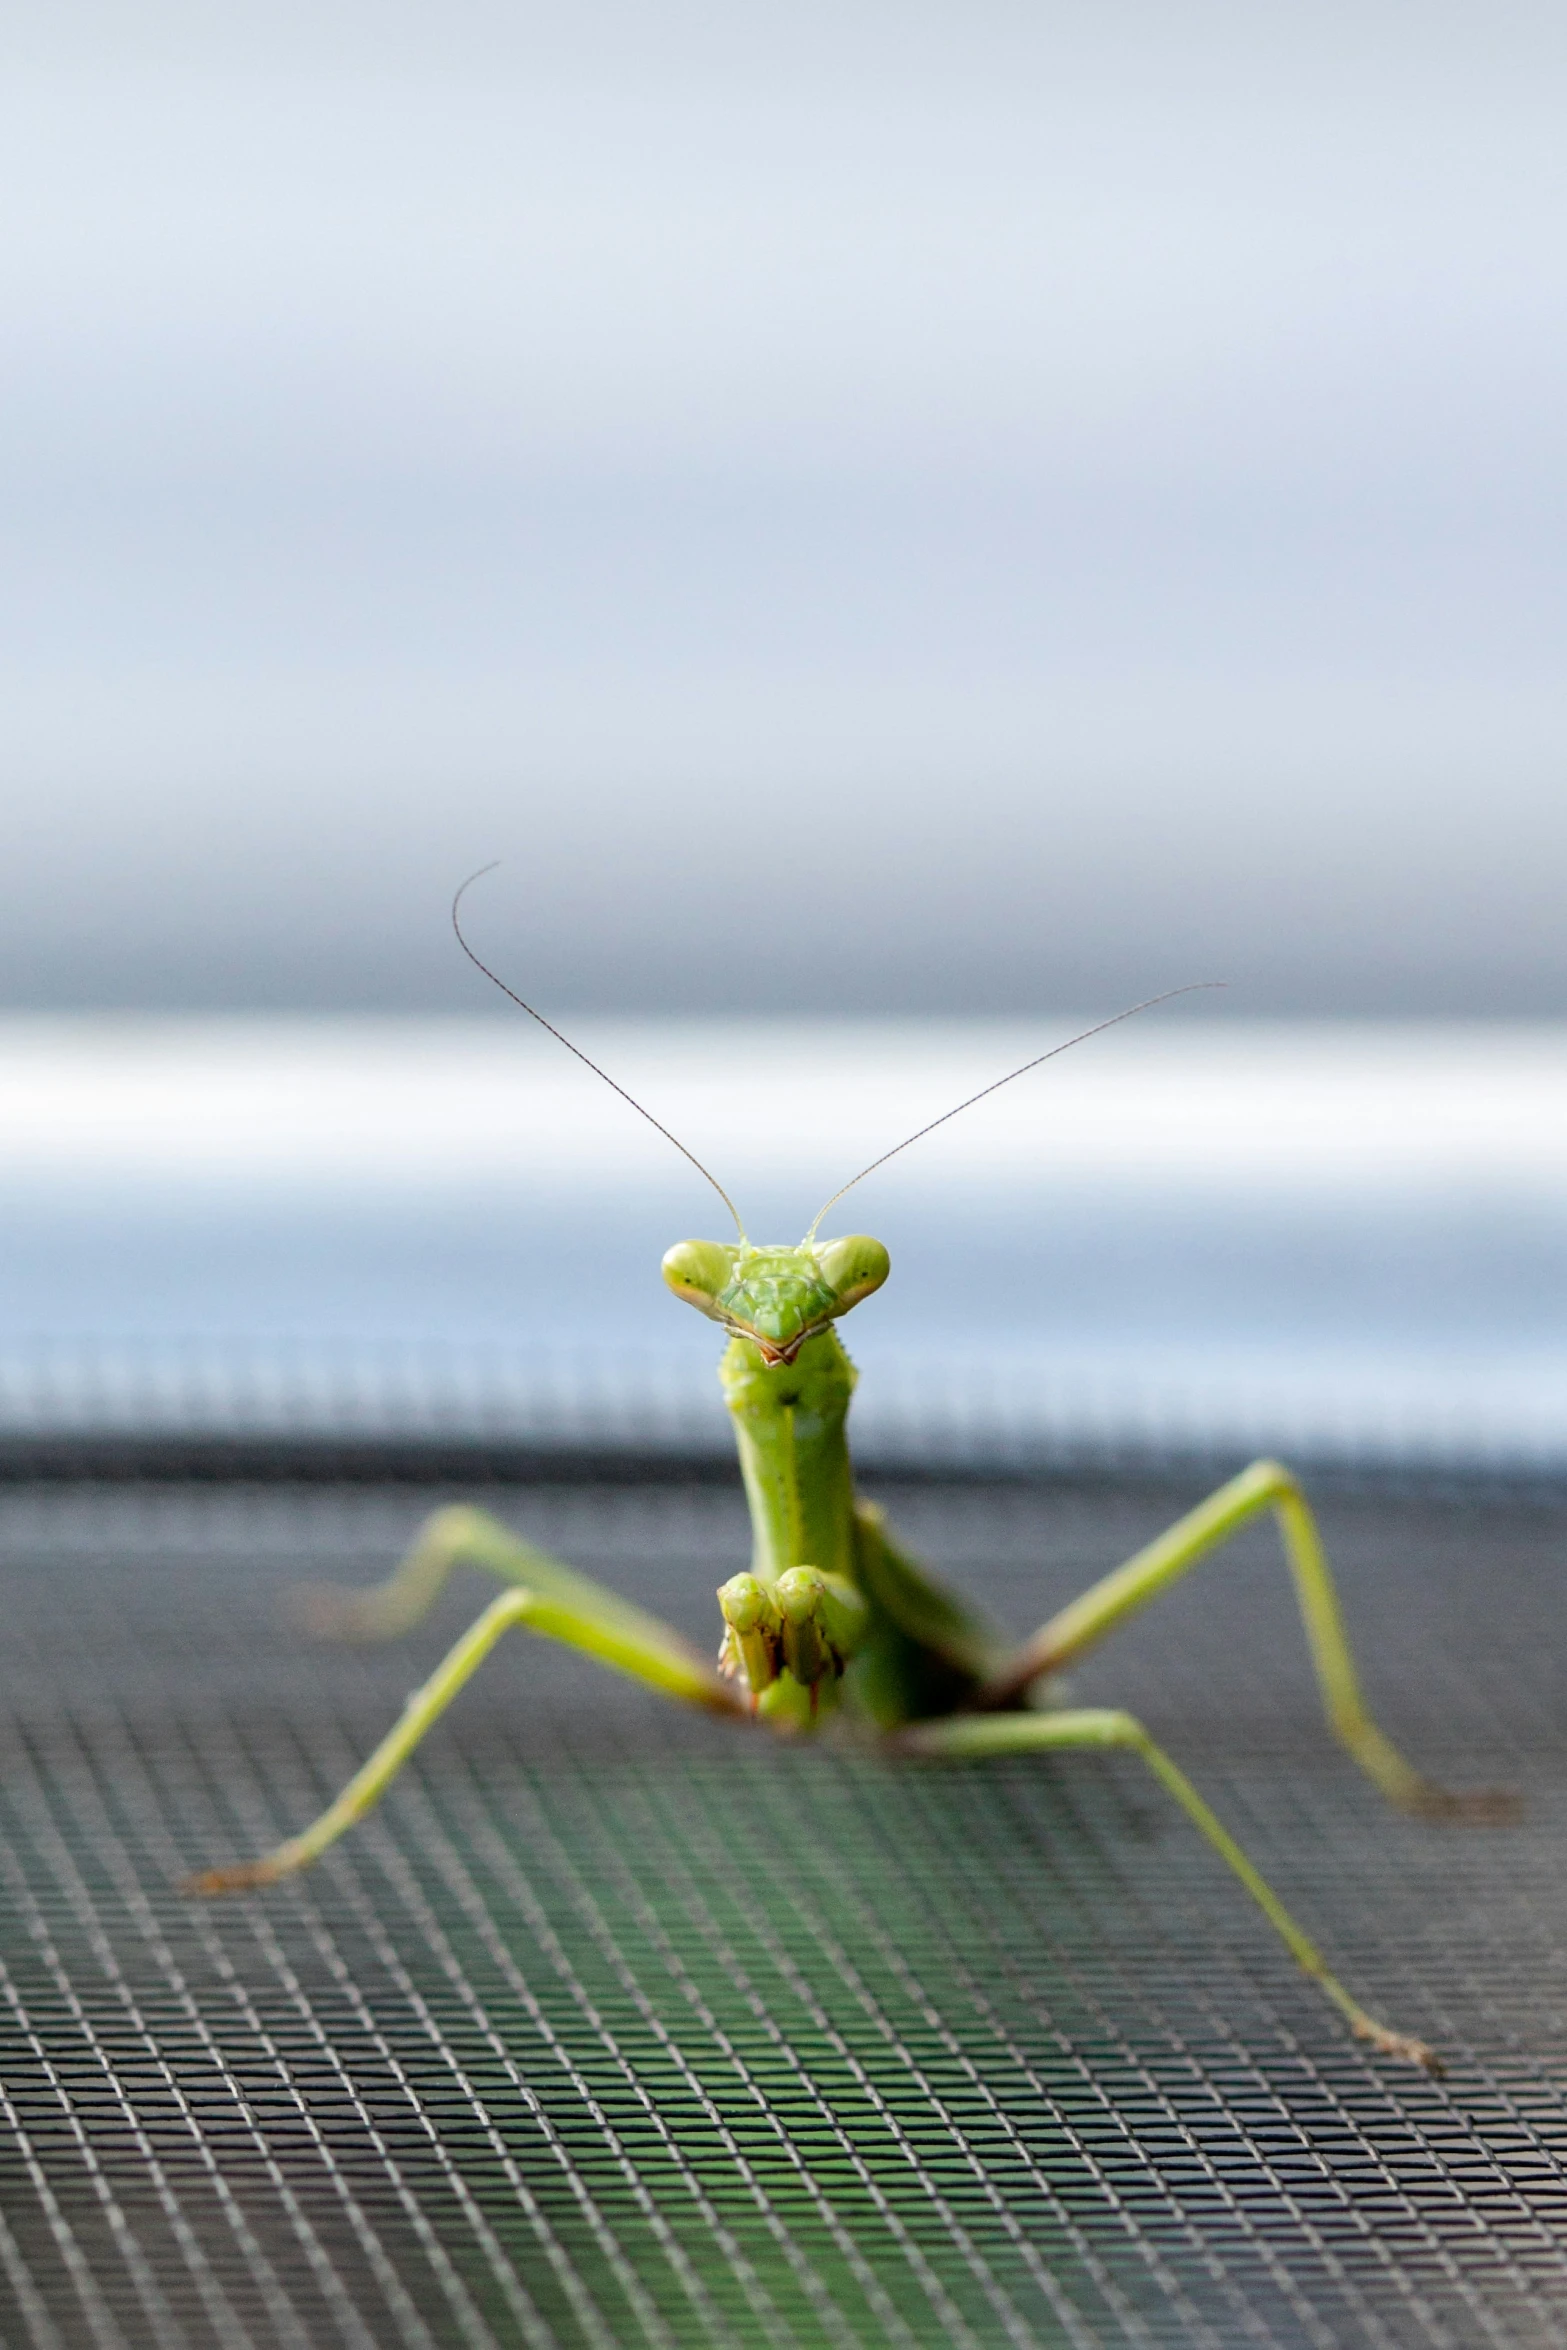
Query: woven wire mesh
[[614, 2026]]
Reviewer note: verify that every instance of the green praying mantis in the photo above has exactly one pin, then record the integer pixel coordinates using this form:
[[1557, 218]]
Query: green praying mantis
[[834, 1621]]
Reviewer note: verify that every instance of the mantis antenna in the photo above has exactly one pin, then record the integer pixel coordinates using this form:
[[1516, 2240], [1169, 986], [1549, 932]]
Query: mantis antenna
[[497, 981], [1193, 987]]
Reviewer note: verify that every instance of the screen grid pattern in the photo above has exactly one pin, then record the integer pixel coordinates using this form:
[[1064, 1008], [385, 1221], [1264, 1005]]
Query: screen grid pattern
[[613, 2026]]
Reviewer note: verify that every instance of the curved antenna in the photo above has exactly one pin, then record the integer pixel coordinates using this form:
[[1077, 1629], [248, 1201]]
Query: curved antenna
[[496, 981], [1193, 987]]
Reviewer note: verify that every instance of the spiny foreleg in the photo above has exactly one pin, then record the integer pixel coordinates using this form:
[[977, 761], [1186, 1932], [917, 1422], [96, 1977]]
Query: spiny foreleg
[[788, 1642]]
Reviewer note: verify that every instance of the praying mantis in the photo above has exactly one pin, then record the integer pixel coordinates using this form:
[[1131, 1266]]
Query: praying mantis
[[834, 1623]]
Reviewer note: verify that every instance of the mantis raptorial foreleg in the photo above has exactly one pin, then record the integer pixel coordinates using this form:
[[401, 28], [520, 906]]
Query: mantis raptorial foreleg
[[594, 1621], [1264, 1486], [1025, 1733]]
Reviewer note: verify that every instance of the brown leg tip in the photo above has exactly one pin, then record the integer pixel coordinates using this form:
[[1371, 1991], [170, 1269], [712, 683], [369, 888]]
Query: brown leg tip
[[242, 1877], [328, 1613], [1481, 1807], [1404, 2047]]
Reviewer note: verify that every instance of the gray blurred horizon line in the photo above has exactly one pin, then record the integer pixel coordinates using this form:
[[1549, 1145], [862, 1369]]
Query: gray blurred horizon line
[[1419, 999]]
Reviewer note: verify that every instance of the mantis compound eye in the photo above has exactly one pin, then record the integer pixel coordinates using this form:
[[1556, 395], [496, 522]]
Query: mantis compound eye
[[700, 1271], [852, 1268]]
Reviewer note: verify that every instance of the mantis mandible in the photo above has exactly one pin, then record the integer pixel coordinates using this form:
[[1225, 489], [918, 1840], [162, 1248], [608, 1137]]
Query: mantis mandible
[[834, 1619]]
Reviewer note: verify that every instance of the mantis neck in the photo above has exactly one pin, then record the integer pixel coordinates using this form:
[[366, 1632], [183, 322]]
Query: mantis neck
[[794, 1454]]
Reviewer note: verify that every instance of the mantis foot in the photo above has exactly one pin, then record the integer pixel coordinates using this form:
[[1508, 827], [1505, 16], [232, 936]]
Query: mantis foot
[[1399, 2044], [1480, 1807], [335, 1611], [239, 1877]]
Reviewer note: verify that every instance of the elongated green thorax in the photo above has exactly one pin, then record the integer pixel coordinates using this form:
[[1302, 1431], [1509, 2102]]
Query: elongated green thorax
[[794, 1453]]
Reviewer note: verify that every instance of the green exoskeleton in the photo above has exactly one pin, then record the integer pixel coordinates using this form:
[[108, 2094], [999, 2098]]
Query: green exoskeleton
[[833, 1621]]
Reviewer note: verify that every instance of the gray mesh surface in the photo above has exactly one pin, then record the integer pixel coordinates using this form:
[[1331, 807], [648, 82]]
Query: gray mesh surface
[[615, 2027]]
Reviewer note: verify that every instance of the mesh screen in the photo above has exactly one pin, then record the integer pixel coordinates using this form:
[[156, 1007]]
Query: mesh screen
[[616, 2027]]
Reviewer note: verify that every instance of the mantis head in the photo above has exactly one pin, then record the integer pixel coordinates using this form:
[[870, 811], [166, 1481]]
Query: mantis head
[[776, 1297]]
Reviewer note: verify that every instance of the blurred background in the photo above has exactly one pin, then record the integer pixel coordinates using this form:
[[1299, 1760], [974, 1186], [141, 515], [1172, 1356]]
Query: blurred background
[[905, 529]]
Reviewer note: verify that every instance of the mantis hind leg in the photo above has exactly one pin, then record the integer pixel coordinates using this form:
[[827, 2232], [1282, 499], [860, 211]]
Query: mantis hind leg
[[1021, 1733], [596, 1622], [1264, 1486]]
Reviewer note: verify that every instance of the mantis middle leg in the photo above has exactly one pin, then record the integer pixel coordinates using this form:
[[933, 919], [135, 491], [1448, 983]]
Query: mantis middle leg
[[460, 1536], [575, 1611], [1266, 1485], [1023, 1733]]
